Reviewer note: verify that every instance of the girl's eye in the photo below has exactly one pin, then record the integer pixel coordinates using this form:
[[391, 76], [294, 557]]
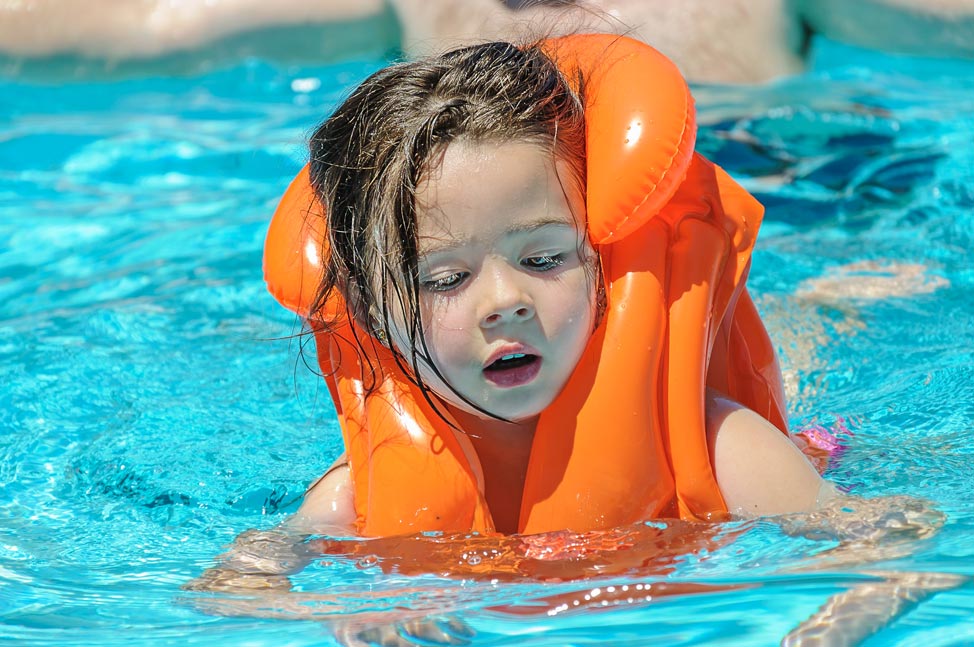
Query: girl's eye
[[543, 263], [446, 283]]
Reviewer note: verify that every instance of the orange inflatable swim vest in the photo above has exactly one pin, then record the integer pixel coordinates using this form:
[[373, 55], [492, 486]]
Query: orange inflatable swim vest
[[626, 439]]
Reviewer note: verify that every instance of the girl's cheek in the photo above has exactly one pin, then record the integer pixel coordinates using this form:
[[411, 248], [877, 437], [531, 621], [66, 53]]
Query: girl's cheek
[[450, 315], [584, 307], [446, 333], [446, 329]]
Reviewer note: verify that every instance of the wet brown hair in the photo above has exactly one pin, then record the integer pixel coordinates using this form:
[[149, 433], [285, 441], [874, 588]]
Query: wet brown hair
[[369, 157]]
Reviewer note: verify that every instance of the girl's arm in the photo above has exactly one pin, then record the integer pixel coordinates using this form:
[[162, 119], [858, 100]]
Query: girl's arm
[[759, 470], [328, 508], [261, 560], [256, 570]]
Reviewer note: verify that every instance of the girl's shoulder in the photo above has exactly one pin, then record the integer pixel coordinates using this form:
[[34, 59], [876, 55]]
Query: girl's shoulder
[[759, 470], [328, 507]]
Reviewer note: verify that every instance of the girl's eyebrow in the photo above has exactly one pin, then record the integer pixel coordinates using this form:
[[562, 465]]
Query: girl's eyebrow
[[438, 245]]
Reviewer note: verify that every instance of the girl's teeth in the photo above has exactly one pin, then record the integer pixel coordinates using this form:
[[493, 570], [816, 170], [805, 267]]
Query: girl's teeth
[[514, 356]]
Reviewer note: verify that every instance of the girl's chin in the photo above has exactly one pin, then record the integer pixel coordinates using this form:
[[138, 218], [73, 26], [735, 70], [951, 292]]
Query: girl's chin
[[523, 412], [519, 417]]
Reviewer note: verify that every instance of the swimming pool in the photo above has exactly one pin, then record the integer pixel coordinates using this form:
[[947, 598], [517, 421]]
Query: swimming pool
[[154, 406]]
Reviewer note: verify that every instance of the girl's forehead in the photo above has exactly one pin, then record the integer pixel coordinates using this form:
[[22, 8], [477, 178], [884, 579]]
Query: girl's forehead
[[510, 164], [493, 180], [482, 190]]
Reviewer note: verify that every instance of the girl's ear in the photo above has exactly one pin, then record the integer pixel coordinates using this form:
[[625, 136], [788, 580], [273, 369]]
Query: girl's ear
[[361, 311], [376, 326], [601, 300], [372, 322]]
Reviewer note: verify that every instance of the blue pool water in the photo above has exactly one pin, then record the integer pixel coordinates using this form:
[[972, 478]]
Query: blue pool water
[[154, 406]]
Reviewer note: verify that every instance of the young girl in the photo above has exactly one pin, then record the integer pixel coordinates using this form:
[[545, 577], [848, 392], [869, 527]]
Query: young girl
[[527, 322], [527, 294]]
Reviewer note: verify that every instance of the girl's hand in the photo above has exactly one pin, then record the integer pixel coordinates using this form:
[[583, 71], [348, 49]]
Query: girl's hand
[[849, 618], [409, 633], [227, 580], [258, 562], [866, 523], [255, 571], [867, 531]]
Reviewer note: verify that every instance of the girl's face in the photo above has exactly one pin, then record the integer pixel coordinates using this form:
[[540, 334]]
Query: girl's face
[[506, 274]]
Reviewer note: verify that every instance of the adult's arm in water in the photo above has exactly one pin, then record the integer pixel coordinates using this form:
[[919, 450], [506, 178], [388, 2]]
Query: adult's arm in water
[[918, 27], [148, 28], [764, 42], [735, 41]]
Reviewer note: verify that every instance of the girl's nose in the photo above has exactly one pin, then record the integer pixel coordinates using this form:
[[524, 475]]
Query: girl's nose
[[504, 300]]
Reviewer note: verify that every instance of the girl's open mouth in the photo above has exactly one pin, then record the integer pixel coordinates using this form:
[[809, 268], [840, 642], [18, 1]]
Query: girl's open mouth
[[512, 370]]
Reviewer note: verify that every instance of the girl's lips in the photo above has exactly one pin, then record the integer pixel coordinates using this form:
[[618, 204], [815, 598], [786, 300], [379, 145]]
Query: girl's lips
[[514, 369]]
